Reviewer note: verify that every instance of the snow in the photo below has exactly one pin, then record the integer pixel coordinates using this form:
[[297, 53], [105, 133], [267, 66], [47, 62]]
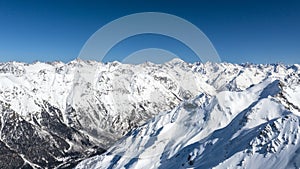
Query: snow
[[178, 115], [246, 126]]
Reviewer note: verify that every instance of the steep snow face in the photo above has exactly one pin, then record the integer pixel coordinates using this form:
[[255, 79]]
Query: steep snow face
[[75, 110], [244, 129], [128, 95], [125, 96]]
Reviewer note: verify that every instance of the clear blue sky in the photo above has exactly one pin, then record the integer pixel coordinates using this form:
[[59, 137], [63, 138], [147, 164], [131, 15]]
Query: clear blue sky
[[266, 31]]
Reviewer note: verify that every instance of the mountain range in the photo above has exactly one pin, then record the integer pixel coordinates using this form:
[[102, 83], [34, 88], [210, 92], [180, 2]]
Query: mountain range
[[172, 115]]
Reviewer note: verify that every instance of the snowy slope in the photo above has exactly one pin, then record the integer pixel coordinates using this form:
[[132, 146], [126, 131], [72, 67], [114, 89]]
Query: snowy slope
[[56, 114], [233, 129]]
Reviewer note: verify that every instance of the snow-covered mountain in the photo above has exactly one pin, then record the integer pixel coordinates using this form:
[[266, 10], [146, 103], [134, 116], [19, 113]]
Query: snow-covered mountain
[[178, 114], [255, 128]]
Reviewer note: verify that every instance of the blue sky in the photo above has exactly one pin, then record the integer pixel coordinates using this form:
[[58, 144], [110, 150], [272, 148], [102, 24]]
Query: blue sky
[[242, 31]]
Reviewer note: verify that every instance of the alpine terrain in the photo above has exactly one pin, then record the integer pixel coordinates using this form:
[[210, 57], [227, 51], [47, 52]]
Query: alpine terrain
[[172, 115]]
